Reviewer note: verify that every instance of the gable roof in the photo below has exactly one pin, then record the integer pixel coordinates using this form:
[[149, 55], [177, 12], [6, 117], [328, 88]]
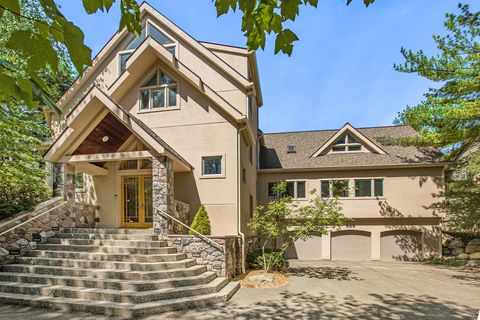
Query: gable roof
[[121, 34], [274, 151], [350, 129], [137, 127], [143, 53]]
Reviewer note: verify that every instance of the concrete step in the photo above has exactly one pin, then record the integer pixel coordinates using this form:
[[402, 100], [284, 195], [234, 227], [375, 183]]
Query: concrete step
[[98, 236], [112, 295], [120, 310], [106, 256], [110, 265], [109, 243], [113, 284], [105, 249], [105, 274], [108, 231]]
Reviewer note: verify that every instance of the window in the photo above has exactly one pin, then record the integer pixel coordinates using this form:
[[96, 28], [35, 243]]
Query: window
[[325, 189], [378, 187], [364, 187], [346, 143], [159, 92], [78, 180], [301, 189], [136, 164], [212, 165], [244, 175], [295, 189], [250, 205], [291, 149], [334, 188], [250, 154], [250, 106], [148, 30]]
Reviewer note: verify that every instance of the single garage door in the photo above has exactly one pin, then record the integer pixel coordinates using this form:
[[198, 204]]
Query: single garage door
[[310, 249], [401, 245], [351, 245]]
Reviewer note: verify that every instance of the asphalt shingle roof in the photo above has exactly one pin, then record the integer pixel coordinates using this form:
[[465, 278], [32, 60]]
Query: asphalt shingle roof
[[274, 152]]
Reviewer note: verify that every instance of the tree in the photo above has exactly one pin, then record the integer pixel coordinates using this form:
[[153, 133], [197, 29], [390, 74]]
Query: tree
[[259, 18], [285, 221], [201, 222], [449, 117], [22, 128]]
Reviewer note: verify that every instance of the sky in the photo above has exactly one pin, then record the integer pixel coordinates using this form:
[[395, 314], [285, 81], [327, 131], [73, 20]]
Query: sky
[[341, 69]]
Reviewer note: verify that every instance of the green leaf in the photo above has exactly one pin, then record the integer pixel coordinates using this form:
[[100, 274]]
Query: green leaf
[[289, 9], [79, 52], [284, 41], [130, 16]]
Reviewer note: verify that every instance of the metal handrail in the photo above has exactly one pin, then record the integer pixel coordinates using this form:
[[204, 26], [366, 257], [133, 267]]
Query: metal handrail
[[194, 231], [31, 219]]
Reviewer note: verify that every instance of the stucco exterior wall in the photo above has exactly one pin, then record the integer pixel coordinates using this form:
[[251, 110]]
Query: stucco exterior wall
[[407, 192]]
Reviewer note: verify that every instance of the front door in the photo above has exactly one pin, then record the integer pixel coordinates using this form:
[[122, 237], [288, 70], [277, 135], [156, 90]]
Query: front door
[[137, 210]]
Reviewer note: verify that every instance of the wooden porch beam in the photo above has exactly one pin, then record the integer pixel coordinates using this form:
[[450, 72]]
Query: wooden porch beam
[[102, 157]]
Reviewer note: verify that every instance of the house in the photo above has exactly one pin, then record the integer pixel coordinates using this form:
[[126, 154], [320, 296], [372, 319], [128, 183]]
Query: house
[[162, 121]]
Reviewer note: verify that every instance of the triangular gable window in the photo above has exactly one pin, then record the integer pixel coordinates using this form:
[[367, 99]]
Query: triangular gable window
[[148, 30], [347, 143]]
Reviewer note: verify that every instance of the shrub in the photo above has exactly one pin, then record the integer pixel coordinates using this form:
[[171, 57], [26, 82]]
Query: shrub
[[275, 259], [201, 222]]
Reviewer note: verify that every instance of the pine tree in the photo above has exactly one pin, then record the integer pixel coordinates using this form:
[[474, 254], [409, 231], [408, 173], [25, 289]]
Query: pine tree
[[201, 222]]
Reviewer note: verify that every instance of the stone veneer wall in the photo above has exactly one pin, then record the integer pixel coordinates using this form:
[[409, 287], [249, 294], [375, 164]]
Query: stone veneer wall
[[226, 263], [26, 236], [182, 213]]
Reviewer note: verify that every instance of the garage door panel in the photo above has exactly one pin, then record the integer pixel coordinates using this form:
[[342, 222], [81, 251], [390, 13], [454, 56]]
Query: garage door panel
[[351, 246], [310, 249], [401, 246]]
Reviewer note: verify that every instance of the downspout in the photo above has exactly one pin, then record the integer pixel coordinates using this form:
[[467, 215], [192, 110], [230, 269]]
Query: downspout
[[239, 229]]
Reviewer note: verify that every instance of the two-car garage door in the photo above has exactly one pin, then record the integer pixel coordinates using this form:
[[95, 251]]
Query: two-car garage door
[[356, 245]]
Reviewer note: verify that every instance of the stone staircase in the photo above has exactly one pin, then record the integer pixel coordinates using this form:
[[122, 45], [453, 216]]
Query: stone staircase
[[122, 273]]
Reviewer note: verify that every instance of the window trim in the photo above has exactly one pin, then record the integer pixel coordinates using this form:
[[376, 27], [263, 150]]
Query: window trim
[[222, 157], [165, 87], [330, 187], [82, 188], [351, 181]]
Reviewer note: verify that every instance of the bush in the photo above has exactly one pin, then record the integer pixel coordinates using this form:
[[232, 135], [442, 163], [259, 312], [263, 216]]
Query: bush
[[276, 259], [201, 222]]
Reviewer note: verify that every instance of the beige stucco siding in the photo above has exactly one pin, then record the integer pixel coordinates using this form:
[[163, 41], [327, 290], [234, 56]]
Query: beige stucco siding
[[407, 192]]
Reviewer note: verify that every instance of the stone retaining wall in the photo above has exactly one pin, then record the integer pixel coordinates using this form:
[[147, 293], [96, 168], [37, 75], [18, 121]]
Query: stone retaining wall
[[182, 213], [25, 237], [226, 263], [462, 248]]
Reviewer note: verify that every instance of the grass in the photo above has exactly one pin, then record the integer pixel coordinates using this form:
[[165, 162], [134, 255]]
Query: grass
[[447, 262]]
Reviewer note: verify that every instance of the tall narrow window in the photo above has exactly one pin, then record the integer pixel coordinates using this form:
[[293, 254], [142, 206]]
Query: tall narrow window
[[250, 206], [79, 180], [378, 187], [123, 61], [301, 190], [159, 92], [340, 188], [325, 189]]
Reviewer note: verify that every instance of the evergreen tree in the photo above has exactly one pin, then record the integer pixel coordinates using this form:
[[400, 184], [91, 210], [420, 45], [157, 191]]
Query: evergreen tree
[[201, 222], [449, 116]]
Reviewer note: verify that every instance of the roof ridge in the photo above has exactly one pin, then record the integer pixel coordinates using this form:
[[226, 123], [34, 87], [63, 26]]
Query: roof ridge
[[322, 130]]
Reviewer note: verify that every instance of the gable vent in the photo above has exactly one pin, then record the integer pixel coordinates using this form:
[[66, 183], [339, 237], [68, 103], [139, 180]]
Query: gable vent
[[291, 149]]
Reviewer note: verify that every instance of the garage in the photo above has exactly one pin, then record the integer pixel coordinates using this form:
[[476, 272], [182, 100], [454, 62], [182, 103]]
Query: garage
[[401, 245], [351, 245], [310, 249]]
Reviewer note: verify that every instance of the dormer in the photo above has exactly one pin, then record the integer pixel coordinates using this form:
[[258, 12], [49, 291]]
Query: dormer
[[348, 140]]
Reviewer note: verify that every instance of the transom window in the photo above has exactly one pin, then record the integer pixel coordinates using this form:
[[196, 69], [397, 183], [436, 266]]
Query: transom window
[[159, 92], [136, 164], [347, 143], [147, 30]]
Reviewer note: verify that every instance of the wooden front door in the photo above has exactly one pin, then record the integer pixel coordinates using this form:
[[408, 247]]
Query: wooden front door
[[137, 210]]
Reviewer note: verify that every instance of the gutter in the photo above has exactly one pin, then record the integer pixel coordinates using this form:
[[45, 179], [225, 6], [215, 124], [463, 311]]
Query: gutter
[[239, 220]]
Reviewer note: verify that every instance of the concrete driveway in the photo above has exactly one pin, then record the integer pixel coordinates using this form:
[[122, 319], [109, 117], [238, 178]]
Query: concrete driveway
[[336, 290]]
